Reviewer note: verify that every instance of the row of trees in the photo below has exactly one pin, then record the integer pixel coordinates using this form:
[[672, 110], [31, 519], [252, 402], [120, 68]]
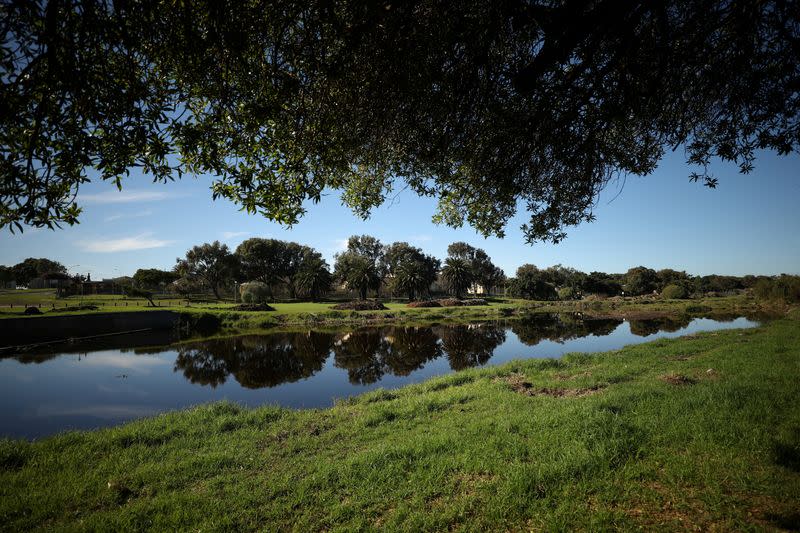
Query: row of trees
[[365, 265], [560, 282]]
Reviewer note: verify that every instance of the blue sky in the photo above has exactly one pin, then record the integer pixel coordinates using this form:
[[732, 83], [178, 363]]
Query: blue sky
[[749, 224]]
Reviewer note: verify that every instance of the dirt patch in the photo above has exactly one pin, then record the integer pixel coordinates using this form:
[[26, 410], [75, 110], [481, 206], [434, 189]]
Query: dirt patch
[[360, 305], [520, 385], [252, 307], [678, 379], [454, 302], [424, 303]]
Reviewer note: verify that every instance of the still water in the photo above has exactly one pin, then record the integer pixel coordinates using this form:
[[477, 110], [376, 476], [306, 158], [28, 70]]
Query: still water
[[95, 386]]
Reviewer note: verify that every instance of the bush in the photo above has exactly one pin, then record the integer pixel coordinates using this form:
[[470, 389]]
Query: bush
[[674, 292], [451, 302], [360, 305], [253, 307], [566, 293], [254, 292], [424, 303], [786, 288]]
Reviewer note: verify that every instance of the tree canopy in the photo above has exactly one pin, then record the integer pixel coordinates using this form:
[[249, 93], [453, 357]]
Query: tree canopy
[[486, 106]]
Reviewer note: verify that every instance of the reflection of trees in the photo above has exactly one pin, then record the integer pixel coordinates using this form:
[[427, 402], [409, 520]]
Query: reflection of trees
[[471, 345], [560, 327], [643, 328], [368, 354], [357, 352], [255, 361]]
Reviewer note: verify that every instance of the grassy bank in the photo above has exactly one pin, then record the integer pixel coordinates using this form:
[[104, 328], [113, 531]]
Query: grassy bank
[[702, 431], [310, 314]]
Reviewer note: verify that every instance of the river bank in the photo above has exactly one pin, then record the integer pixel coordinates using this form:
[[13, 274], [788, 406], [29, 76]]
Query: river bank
[[701, 430], [222, 318]]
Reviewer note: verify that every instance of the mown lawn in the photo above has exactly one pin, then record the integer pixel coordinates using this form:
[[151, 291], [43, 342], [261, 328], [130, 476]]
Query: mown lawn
[[699, 432]]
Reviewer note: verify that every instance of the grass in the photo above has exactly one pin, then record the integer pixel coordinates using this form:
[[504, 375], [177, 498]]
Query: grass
[[701, 431], [320, 313]]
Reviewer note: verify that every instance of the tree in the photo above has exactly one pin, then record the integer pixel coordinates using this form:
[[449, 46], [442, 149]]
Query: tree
[[602, 283], [136, 292], [484, 272], [530, 284], [32, 268], [485, 105], [313, 276], [153, 278], [457, 273], [262, 260], [411, 271], [357, 272], [640, 280], [668, 276], [212, 264], [6, 275]]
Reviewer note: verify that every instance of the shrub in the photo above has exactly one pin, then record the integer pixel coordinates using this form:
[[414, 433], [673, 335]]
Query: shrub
[[566, 293], [786, 288], [253, 307], [254, 292], [451, 302], [673, 292], [360, 305]]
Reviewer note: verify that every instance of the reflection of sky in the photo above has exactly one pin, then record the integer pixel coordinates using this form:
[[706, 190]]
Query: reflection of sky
[[109, 387]]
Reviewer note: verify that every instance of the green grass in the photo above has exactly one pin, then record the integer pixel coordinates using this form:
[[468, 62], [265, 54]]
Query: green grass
[[702, 431]]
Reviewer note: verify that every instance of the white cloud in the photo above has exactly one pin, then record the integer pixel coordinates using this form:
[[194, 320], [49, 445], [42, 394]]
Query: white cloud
[[126, 244], [340, 245], [140, 214], [233, 234], [124, 197], [420, 238]]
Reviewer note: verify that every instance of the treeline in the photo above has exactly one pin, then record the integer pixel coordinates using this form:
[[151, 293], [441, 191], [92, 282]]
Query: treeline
[[266, 268], [564, 283]]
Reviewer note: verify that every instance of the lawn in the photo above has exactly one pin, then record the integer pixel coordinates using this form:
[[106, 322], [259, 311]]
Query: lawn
[[697, 432]]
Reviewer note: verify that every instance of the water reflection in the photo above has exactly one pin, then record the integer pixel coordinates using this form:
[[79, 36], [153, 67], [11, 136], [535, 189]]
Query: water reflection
[[371, 353], [120, 379], [561, 328], [368, 354], [472, 345], [254, 361]]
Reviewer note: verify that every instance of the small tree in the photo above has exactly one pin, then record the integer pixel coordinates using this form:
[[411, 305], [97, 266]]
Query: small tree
[[135, 292]]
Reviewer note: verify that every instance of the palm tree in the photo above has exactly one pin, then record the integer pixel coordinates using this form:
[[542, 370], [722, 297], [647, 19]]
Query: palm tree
[[313, 277], [458, 274], [410, 278]]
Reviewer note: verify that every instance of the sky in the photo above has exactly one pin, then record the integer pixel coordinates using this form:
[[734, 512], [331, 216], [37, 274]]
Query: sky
[[749, 224]]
